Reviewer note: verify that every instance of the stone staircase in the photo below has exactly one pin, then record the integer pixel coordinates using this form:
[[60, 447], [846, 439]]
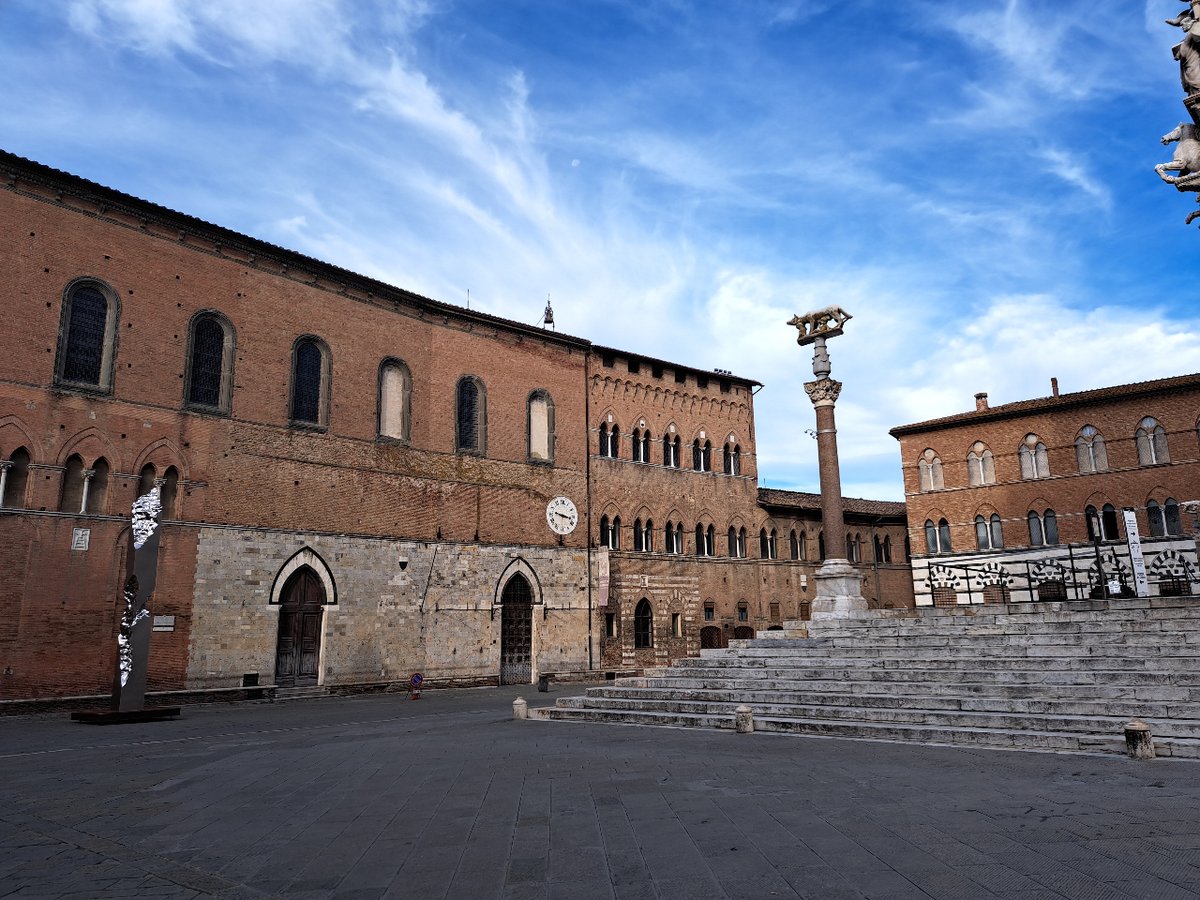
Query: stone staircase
[[1029, 676]]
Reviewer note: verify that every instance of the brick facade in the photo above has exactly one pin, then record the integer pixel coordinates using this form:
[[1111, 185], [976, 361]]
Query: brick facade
[[1045, 456], [257, 479]]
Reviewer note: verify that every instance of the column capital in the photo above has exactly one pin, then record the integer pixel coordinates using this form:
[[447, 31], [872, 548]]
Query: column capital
[[5, 465], [823, 392], [88, 474]]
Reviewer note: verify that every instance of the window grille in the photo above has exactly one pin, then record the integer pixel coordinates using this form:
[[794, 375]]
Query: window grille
[[86, 332], [208, 356], [306, 383]]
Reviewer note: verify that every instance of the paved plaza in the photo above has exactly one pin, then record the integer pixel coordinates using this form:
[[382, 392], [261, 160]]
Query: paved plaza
[[449, 797]]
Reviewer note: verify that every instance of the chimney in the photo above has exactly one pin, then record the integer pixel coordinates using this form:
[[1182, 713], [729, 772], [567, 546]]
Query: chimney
[[1054, 386], [981, 401]]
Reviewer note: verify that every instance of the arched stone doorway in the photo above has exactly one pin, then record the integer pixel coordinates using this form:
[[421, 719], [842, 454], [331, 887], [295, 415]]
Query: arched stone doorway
[[516, 631], [298, 646]]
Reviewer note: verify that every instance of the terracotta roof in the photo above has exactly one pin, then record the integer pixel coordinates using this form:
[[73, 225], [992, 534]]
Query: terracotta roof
[[854, 505], [1045, 404]]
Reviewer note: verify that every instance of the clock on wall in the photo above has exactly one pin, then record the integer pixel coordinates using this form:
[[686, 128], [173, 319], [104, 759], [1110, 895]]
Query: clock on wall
[[561, 515]]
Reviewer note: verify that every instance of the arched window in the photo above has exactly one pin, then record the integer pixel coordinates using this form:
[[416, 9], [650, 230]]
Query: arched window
[[641, 445], [733, 459], [794, 545], [470, 416], [209, 376], [878, 547], [14, 476], [610, 440], [1037, 537], [731, 539], [763, 552], [648, 536], [1174, 523], [395, 400], [170, 489], [1035, 463], [937, 537], [981, 465], [1090, 452], [95, 489], [310, 382], [87, 336], [1151, 443], [929, 469], [1164, 520], [710, 541], [643, 625], [851, 548], [540, 427], [821, 545], [146, 479], [671, 451], [672, 539], [610, 532], [702, 456], [773, 544], [1050, 527], [887, 549], [1105, 520], [699, 539], [989, 533], [70, 499]]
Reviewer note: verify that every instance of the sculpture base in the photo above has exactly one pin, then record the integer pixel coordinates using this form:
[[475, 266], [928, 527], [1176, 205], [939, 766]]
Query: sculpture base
[[125, 717], [839, 591]]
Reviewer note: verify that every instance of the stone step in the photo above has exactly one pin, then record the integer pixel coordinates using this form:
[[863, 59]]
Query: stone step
[[1009, 721], [918, 690], [1118, 706], [958, 736], [905, 675], [943, 661], [306, 692]]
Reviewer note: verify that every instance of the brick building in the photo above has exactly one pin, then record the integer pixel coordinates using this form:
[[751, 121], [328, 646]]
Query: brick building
[[358, 482], [1020, 501]]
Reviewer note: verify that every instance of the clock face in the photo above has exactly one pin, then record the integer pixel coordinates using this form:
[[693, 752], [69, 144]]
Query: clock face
[[561, 515]]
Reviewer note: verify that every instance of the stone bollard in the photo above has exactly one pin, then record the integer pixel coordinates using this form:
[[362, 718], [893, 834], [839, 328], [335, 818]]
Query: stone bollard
[[743, 720], [1138, 740], [520, 708]]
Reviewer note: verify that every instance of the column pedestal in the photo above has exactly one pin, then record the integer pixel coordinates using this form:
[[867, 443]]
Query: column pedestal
[[839, 591]]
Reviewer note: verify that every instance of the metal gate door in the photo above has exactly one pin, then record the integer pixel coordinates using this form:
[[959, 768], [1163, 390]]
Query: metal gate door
[[516, 632]]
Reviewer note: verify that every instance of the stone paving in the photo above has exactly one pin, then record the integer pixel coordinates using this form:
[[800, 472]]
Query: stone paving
[[449, 797]]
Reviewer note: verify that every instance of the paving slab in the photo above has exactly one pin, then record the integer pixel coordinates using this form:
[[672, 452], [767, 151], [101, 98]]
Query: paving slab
[[374, 797]]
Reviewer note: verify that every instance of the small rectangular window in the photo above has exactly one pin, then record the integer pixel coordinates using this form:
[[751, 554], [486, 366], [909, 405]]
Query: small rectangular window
[[701, 382], [656, 371], [680, 377], [725, 386], [610, 625], [709, 613], [774, 612], [634, 367], [677, 624], [607, 360]]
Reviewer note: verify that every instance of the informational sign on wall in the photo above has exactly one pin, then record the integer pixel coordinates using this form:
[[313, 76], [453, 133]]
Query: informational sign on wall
[[1134, 539]]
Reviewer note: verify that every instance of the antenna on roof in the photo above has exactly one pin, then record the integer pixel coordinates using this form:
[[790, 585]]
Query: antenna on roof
[[548, 315], [468, 298]]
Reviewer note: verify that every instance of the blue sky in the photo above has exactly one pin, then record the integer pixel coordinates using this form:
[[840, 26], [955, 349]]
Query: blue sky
[[972, 180]]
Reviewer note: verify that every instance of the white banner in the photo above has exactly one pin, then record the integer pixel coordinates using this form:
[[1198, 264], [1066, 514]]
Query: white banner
[[1134, 539]]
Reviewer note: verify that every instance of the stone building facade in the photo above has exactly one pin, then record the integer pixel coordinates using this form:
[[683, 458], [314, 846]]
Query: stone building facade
[[356, 478], [1019, 501]]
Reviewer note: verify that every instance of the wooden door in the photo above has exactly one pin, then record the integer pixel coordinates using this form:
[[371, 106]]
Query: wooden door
[[516, 632], [298, 647]]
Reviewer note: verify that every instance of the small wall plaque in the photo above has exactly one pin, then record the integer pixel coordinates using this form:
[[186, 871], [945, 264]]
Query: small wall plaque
[[164, 623], [81, 538]]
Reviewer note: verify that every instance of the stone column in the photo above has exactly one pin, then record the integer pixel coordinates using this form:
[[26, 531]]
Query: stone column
[[5, 465], [839, 584], [88, 474]]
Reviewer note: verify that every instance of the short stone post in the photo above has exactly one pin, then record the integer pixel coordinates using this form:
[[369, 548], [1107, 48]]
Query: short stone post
[[520, 708], [1138, 740], [743, 720]]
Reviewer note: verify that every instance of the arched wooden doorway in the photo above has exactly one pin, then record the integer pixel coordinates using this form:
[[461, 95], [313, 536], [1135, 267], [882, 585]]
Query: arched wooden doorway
[[516, 631], [298, 647]]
